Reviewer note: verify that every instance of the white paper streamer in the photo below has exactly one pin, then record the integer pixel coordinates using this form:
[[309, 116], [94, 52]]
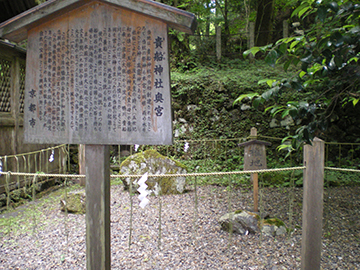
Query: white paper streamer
[[136, 147], [186, 147], [0, 166], [51, 159], [142, 190]]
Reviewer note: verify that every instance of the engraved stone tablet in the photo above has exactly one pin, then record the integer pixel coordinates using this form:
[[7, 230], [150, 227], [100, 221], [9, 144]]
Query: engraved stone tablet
[[98, 74]]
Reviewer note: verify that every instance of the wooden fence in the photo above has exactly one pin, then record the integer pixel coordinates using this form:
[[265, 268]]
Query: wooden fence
[[12, 85]]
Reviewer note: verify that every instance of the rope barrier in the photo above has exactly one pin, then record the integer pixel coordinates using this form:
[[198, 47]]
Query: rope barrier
[[175, 175], [269, 137], [34, 152], [338, 143], [161, 175], [210, 140], [341, 169]]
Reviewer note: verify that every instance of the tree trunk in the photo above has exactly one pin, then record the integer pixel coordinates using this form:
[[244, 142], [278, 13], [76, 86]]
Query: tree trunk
[[264, 20], [226, 26]]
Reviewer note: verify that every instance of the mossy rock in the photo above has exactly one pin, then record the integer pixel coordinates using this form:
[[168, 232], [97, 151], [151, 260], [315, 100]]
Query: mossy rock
[[74, 203], [152, 162], [240, 221], [273, 221], [273, 227], [244, 222]]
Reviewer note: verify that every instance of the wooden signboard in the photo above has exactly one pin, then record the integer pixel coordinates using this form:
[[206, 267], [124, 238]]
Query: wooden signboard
[[255, 159], [97, 73], [100, 75], [255, 155]]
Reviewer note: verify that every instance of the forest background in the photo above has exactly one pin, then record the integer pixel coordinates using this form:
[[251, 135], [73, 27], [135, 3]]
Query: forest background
[[297, 87]]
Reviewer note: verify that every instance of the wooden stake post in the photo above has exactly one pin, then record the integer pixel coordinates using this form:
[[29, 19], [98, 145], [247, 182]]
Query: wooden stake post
[[312, 205], [255, 159], [97, 207], [97, 73]]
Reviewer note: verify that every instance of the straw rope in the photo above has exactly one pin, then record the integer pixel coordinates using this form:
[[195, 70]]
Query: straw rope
[[177, 175], [161, 175], [341, 169], [34, 152]]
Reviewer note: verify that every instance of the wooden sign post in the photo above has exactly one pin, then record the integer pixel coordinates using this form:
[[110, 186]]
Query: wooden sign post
[[255, 159], [97, 73]]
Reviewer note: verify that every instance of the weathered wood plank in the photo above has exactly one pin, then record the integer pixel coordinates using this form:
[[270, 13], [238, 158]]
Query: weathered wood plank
[[15, 100], [6, 119], [98, 76], [16, 28], [98, 254], [9, 50], [255, 180], [174, 17], [82, 164], [312, 205]]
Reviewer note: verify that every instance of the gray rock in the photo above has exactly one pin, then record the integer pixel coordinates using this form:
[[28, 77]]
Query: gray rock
[[274, 123], [245, 107], [152, 162], [273, 227], [191, 107], [288, 121], [244, 222], [74, 202], [268, 230]]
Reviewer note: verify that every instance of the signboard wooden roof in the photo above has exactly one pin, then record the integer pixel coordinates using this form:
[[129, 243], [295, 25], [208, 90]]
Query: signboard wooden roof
[[98, 71], [15, 29]]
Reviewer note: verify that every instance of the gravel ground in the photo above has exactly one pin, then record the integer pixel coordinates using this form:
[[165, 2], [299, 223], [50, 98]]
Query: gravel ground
[[44, 238]]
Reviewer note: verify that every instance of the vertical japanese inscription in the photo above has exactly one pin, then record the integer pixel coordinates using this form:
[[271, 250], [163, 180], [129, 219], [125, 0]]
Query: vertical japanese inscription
[[108, 79], [108, 71], [159, 58]]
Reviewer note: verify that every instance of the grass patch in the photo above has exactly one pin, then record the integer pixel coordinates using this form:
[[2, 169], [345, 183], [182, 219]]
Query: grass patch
[[32, 216]]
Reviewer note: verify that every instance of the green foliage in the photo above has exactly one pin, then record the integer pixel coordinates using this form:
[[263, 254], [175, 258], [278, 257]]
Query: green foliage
[[29, 219], [326, 58], [211, 91], [338, 178]]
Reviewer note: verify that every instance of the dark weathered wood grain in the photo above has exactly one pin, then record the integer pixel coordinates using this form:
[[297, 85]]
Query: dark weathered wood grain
[[312, 205], [16, 28], [98, 254], [134, 76]]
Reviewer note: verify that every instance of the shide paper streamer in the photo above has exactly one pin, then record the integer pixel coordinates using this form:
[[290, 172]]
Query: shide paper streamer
[[142, 190]]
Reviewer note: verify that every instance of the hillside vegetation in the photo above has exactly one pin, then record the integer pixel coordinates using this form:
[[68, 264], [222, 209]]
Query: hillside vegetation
[[204, 97]]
